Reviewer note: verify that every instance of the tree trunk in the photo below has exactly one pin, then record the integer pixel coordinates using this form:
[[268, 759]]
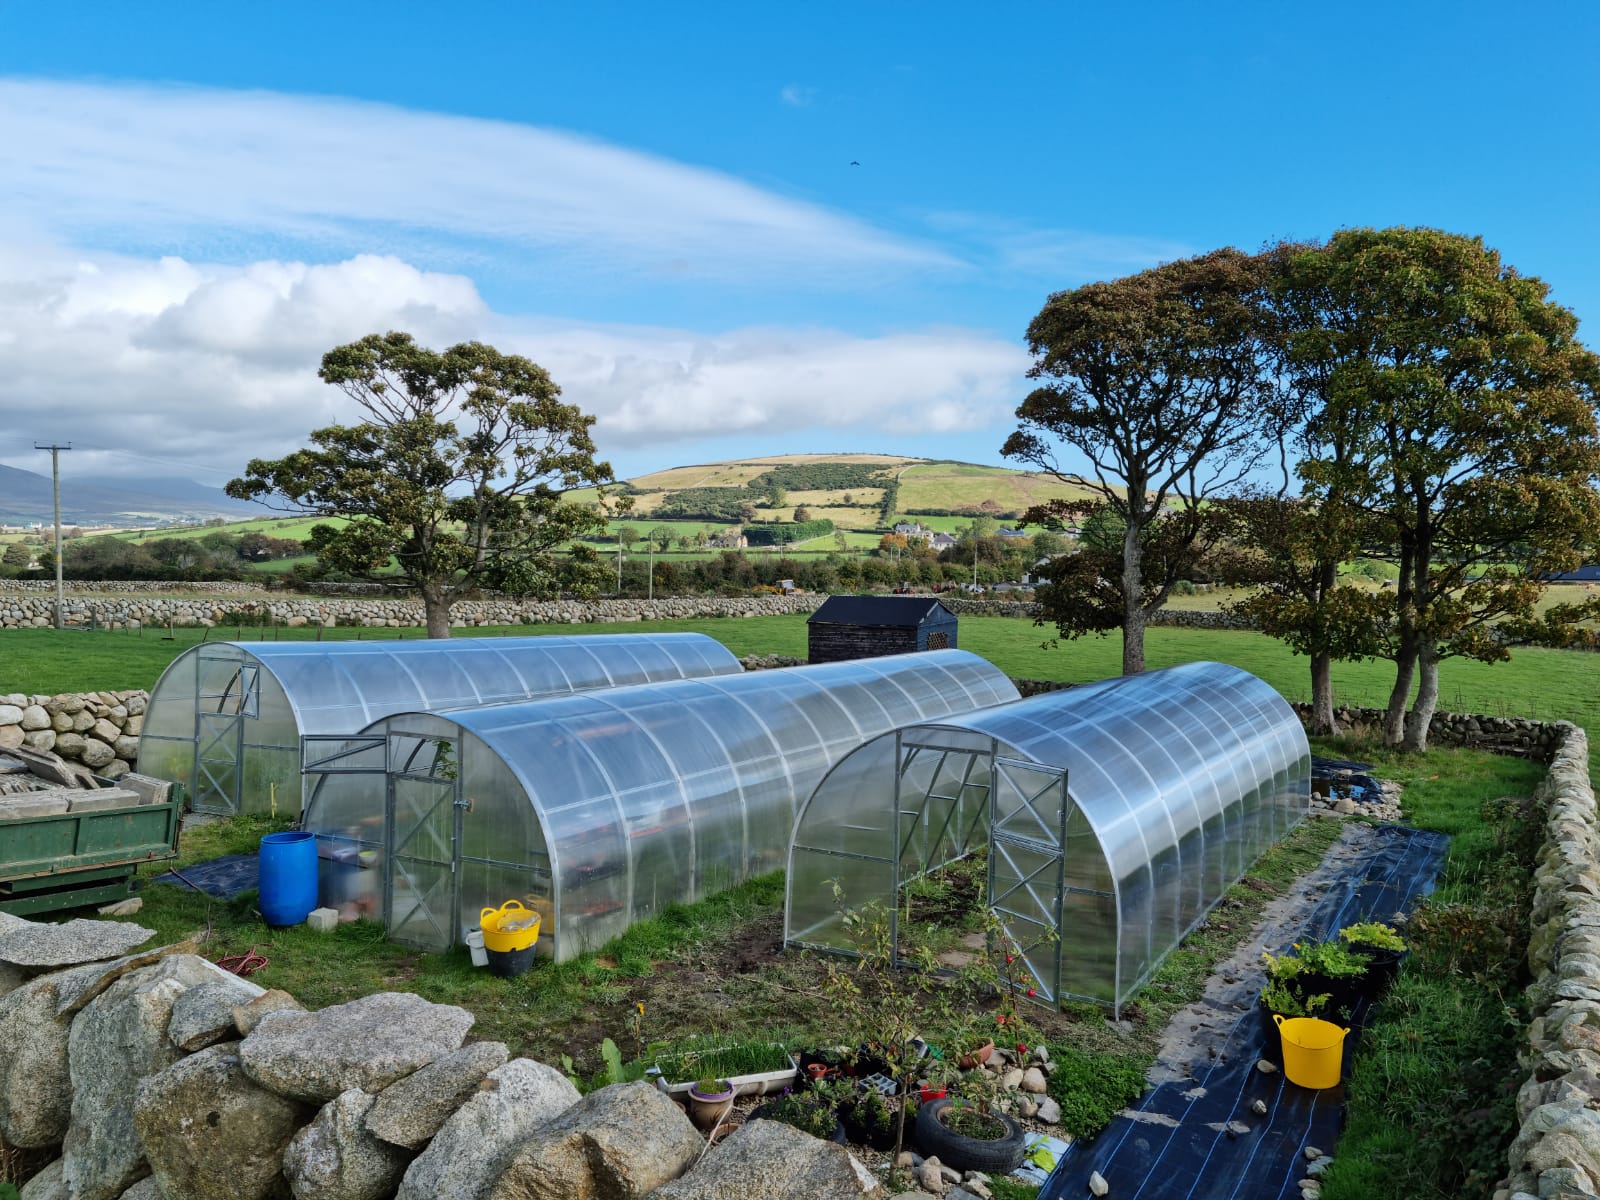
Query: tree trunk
[[1132, 602], [1395, 718], [436, 607], [1322, 718], [1420, 717]]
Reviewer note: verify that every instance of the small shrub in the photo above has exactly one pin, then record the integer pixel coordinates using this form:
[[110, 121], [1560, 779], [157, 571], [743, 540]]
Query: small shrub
[[1093, 1088], [803, 1113], [1477, 940]]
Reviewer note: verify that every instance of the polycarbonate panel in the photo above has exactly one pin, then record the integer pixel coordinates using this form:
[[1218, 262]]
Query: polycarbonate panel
[[305, 687], [671, 791], [1180, 779]]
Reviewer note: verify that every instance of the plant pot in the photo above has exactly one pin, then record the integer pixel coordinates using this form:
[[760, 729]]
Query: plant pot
[[816, 1072], [977, 1058], [1385, 966], [1344, 992], [868, 1135], [994, 1156], [707, 1108], [760, 1111], [1271, 1039], [928, 1092]]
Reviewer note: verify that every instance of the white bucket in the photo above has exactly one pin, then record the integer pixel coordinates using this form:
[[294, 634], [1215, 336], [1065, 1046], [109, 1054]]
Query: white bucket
[[480, 956]]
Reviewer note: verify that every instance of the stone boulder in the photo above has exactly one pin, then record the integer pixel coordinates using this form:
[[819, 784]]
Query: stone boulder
[[620, 1143], [146, 1189], [336, 1157], [119, 1038], [250, 1014], [43, 946], [47, 1185], [204, 1014], [35, 1086], [473, 1147], [210, 1132], [368, 1044], [410, 1112], [767, 1160]]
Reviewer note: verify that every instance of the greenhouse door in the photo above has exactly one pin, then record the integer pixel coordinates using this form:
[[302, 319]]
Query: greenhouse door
[[424, 830], [226, 692], [1027, 832]]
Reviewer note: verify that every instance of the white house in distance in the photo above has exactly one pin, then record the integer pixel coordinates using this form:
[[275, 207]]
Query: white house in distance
[[910, 529]]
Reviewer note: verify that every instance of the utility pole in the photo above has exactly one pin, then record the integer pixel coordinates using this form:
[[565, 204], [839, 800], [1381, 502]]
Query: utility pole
[[619, 570], [55, 480]]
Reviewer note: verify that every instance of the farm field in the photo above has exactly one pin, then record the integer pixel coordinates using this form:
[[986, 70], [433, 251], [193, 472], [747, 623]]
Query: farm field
[[1542, 684]]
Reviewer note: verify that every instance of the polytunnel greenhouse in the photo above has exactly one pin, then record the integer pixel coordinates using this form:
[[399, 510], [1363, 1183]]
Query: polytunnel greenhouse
[[597, 810], [1114, 816], [226, 718]]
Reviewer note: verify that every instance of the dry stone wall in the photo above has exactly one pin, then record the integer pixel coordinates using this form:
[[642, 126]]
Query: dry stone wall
[[98, 729], [158, 1075], [1519, 737], [1557, 1149], [119, 611]]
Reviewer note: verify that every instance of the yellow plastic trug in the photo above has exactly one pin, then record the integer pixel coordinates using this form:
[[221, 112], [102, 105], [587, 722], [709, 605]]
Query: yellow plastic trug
[[1313, 1050], [512, 912]]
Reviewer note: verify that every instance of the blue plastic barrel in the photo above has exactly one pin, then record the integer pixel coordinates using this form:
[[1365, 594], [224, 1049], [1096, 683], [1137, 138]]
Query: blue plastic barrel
[[288, 877]]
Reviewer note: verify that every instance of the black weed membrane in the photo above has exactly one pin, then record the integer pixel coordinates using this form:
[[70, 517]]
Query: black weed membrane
[[1201, 1138]]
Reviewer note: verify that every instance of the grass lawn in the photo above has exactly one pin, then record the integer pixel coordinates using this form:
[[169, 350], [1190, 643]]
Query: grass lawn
[[1431, 1100]]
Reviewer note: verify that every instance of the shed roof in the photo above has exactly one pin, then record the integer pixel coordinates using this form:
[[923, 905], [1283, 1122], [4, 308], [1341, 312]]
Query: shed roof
[[888, 611]]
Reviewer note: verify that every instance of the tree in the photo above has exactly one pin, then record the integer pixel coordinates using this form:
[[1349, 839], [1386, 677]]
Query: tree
[[661, 536], [779, 497], [627, 536], [802, 514], [1470, 406], [1157, 381], [747, 513], [457, 474], [17, 555], [1289, 550]]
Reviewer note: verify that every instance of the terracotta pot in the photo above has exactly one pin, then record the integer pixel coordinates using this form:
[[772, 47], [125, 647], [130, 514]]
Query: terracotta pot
[[978, 1057]]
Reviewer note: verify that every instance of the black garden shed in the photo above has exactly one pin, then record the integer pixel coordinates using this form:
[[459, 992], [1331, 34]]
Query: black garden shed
[[870, 626]]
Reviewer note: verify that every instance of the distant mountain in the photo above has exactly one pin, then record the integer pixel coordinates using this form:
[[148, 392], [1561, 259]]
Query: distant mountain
[[25, 498]]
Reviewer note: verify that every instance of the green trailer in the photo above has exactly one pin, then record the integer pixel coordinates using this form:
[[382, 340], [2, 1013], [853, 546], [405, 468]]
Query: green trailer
[[86, 854]]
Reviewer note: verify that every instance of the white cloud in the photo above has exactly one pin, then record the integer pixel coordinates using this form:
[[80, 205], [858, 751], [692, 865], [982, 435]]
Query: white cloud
[[1066, 256], [209, 366], [797, 96], [141, 166]]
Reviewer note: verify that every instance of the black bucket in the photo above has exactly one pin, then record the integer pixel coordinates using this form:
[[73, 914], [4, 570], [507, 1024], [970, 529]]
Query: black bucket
[[506, 963]]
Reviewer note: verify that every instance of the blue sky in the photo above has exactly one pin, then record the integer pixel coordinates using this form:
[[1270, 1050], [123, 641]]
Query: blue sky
[[657, 201]]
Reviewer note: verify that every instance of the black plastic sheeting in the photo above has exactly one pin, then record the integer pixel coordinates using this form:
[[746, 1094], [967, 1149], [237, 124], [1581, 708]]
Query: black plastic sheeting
[[221, 878], [1179, 1146], [1352, 779]]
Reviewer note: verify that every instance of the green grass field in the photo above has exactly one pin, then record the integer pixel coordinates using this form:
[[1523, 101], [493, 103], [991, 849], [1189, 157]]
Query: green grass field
[[1543, 684], [298, 528]]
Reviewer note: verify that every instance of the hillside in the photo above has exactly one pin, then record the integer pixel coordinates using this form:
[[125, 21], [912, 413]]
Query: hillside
[[25, 497], [846, 488]]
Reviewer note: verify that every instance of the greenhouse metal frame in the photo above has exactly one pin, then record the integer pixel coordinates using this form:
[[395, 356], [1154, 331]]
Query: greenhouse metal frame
[[1114, 815], [226, 718], [600, 809]]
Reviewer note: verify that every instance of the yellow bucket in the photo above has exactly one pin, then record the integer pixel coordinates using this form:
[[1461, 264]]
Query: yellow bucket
[[490, 919], [1313, 1050]]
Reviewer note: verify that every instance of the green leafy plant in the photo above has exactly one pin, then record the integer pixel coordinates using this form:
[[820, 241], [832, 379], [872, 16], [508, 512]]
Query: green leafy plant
[[721, 1057], [612, 1057], [1332, 959], [1373, 933], [803, 1112], [1282, 967], [1092, 1088], [712, 1087], [973, 1120], [1286, 1000]]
